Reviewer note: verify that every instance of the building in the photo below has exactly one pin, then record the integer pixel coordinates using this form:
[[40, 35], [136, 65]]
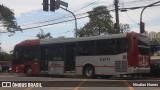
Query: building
[[152, 35]]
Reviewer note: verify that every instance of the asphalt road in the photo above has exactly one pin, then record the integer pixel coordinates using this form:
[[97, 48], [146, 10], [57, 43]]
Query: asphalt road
[[22, 82]]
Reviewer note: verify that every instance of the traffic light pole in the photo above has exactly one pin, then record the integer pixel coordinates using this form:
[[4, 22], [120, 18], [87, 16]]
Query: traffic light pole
[[141, 23], [74, 18]]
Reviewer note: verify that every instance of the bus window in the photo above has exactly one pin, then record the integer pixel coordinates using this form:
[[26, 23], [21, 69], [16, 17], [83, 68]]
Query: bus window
[[30, 53], [143, 45], [56, 52], [17, 56], [122, 45], [105, 47], [86, 48]]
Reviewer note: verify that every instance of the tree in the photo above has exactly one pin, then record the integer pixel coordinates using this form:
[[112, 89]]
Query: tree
[[100, 23], [61, 37], [7, 19], [42, 35], [5, 57], [124, 28]]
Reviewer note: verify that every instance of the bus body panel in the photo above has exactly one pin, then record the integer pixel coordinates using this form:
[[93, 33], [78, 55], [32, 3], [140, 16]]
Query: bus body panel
[[104, 64], [138, 62], [56, 67], [19, 63], [20, 68]]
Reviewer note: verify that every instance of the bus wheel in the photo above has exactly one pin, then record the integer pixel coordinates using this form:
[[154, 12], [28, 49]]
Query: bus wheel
[[89, 71], [29, 71]]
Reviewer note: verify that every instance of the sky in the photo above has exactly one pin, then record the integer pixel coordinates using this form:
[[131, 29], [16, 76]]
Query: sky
[[30, 13]]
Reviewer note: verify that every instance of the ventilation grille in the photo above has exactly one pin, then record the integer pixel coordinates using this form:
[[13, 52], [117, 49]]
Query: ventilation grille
[[121, 66]]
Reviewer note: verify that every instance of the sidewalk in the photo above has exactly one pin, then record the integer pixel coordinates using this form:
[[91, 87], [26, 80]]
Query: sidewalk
[[17, 74]]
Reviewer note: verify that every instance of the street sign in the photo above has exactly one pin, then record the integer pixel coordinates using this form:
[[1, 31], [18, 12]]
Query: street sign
[[63, 3]]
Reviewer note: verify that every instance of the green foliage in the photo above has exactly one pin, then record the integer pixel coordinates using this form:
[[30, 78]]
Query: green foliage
[[61, 37], [100, 23], [7, 19], [5, 57], [42, 35], [124, 28]]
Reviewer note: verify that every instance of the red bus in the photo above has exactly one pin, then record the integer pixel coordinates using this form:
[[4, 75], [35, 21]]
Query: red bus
[[116, 54]]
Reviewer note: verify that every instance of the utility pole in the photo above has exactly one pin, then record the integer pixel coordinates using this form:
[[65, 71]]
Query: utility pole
[[117, 15], [0, 48]]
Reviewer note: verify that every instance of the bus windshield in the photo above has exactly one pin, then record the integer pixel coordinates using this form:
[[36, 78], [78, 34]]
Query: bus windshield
[[25, 54], [143, 45]]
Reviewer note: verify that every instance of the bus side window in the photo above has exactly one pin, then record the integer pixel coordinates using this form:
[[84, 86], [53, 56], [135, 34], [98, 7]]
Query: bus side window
[[122, 45], [107, 46], [112, 44], [100, 47], [86, 48], [56, 52], [30, 53]]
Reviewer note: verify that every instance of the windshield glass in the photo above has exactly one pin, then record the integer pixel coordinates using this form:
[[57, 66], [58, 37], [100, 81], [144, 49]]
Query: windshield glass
[[143, 45], [17, 56]]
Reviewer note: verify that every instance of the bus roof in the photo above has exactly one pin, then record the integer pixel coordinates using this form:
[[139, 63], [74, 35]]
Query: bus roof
[[29, 43], [63, 40]]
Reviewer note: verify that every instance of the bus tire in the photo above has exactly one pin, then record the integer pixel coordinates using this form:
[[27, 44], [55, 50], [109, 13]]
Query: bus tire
[[89, 71], [29, 71]]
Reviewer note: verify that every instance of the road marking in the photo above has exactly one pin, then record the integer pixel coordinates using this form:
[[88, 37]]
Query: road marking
[[28, 88], [129, 86], [34, 87], [80, 84]]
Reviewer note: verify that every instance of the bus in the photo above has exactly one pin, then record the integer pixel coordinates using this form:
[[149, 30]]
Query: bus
[[116, 54]]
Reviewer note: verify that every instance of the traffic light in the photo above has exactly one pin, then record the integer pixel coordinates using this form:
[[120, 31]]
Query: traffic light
[[142, 29], [52, 5], [45, 5]]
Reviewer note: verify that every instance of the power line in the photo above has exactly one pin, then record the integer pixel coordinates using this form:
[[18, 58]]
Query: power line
[[61, 18], [131, 19], [53, 23], [59, 22], [65, 16], [87, 5], [128, 14], [132, 8]]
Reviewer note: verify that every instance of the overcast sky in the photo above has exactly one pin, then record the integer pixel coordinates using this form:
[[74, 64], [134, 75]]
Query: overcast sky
[[30, 13]]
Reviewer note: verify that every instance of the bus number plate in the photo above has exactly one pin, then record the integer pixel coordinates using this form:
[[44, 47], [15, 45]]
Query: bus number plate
[[104, 59]]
